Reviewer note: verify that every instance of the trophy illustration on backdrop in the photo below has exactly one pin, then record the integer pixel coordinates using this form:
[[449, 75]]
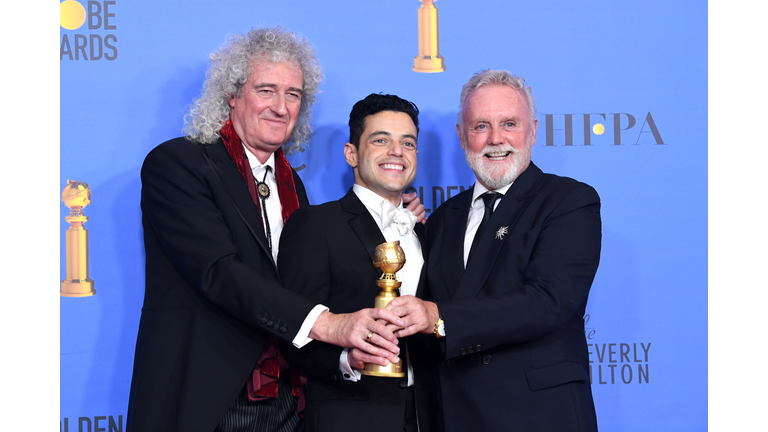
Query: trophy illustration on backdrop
[[76, 196], [429, 58], [389, 258]]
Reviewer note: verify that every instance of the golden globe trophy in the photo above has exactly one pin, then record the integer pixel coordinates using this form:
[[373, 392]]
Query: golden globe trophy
[[76, 196], [429, 58], [389, 258]]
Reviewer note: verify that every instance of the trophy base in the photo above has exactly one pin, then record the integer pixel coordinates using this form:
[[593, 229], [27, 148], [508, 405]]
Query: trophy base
[[77, 288], [429, 65], [392, 370]]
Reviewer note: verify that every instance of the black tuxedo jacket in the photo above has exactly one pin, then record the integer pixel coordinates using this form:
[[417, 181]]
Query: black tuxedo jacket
[[515, 353], [212, 295], [327, 254]]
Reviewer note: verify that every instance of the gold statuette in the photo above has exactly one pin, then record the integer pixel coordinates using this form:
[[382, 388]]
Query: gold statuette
[[429, 58], [76, 196], [389, 258]]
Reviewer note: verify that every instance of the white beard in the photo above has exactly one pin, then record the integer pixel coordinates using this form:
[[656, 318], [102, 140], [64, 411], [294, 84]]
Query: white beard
[[495, 175]]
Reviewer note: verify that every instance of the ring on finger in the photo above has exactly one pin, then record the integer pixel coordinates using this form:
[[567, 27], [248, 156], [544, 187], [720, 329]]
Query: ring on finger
[[370, 335]]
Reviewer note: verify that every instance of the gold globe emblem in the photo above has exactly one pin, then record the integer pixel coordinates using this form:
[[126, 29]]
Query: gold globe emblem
[[76, 195], [389, 258]]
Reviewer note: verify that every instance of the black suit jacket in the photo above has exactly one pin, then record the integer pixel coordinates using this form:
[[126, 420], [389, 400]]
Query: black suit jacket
[[327, 254], [515, 353], [212, 294]]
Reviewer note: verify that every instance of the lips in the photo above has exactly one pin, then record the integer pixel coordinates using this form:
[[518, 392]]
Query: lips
[[274, 120]]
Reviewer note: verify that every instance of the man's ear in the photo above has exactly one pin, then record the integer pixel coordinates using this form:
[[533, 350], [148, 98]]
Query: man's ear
[[350, 154]]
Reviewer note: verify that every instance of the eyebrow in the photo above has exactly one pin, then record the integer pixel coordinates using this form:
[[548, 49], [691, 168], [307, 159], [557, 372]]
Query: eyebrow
[[375, 133], [262, 85]]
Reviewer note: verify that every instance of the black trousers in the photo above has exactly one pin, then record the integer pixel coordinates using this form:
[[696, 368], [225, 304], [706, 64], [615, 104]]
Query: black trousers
[[375, 404], [410, 424]]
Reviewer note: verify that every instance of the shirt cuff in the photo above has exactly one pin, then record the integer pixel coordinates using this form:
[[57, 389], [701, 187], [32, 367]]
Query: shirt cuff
[[347, 372], [302, 338]]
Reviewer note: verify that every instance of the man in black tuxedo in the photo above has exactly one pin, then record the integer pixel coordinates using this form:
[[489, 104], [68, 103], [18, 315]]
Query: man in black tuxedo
[[510, 265], [214, 204], [327, 254]]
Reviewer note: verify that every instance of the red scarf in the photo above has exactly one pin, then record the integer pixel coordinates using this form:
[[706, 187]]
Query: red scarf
[[262, 384], [283, 173]]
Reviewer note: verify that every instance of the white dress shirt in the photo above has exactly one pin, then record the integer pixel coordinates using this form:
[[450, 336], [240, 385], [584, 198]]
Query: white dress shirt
[[476, 212], [408, 275], [272, 204], [275, 215]]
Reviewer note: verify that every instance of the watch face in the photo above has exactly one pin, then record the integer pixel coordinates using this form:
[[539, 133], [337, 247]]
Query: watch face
[[441, 329]]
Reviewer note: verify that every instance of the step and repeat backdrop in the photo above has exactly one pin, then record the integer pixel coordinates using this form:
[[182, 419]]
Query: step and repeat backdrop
[[621, 95]]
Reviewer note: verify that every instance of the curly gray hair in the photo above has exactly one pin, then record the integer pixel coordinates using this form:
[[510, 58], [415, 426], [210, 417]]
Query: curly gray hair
[[486, 77], [230, 67]]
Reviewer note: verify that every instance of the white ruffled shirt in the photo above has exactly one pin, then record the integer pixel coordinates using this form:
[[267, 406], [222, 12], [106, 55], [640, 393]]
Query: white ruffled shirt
[[410, 273]]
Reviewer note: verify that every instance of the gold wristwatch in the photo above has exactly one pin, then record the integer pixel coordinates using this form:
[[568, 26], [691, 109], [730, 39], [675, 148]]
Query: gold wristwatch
[[440, 328]]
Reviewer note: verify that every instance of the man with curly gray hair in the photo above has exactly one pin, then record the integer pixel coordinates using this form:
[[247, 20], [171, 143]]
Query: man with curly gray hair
[[229, 70], [214, 203]]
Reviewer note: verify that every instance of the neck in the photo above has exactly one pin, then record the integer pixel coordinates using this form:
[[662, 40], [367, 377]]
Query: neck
[[394, 198], [395, 201], [261, 155]]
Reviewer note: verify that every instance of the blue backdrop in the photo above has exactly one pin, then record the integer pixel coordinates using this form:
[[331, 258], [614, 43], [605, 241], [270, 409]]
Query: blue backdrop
[[621, 93]]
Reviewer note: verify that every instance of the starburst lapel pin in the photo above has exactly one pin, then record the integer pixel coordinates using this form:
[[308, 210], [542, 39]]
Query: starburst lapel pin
[[501, 232]]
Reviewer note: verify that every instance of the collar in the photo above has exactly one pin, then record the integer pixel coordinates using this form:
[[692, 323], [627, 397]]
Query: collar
[[257, 166], [479, 189], [372, 201]]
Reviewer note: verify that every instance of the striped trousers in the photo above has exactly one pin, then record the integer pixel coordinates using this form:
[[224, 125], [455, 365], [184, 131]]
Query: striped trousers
[[271, 415]]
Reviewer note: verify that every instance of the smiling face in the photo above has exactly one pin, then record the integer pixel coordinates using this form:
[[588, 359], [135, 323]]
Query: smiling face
[[498, 134], [385, 161], [268, 106]]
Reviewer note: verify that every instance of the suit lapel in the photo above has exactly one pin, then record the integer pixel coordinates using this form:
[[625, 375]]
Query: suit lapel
[[234, 185], [504, 218], [421, 234], [362, 224], [455, 222]]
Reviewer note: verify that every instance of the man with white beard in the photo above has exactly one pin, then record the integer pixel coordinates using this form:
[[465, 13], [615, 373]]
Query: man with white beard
[[510, 263]]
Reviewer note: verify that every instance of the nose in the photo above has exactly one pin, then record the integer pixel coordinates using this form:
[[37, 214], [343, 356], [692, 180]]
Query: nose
[[279, 105], [396, 149], [495, 137]]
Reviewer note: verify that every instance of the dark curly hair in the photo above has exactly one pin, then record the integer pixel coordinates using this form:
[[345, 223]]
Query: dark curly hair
[[374, 104]]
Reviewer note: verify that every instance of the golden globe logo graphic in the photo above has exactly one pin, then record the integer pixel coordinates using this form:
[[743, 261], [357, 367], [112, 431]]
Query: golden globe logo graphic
[[72, 14], [91, 22]]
